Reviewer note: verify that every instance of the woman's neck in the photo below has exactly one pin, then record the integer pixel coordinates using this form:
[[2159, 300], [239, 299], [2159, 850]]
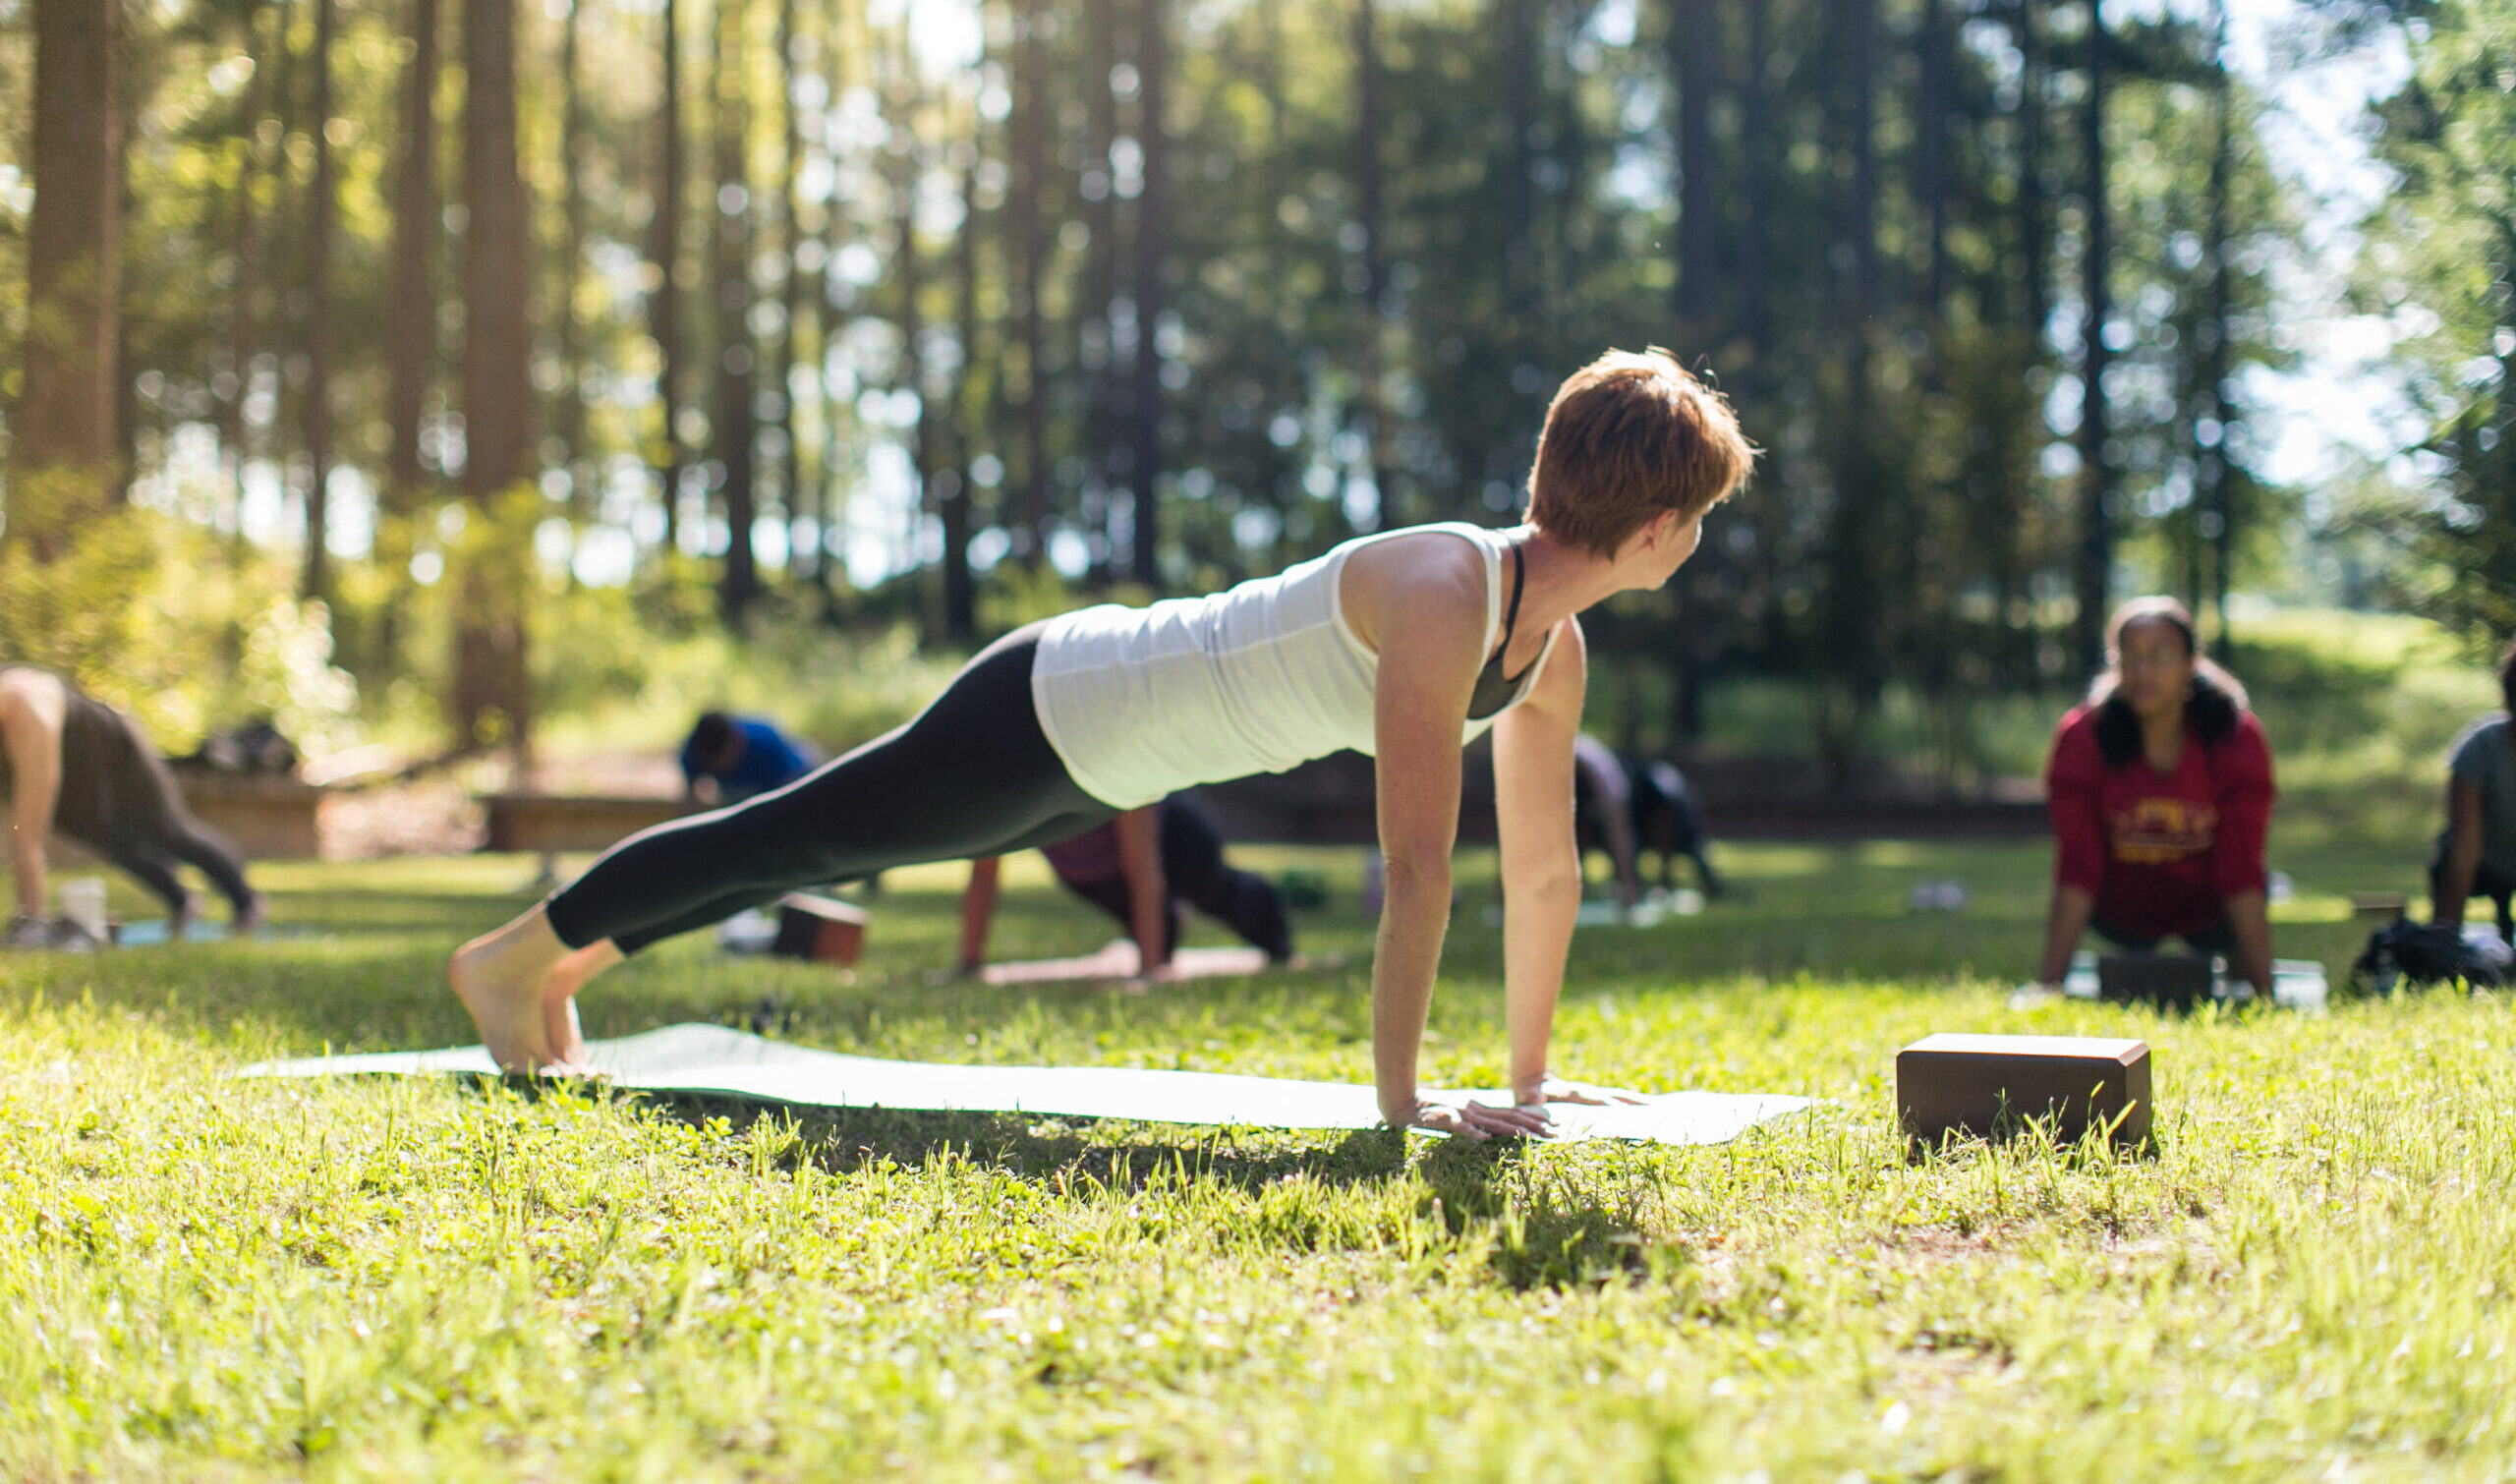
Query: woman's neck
[[1562, 578], [2162, 734]]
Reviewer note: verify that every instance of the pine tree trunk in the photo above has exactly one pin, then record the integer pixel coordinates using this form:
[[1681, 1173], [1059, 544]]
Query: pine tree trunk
[[663, 260], [1695, 54], [2096, 475], [492, 692], [736, 424], [790, 207], [239, 386], [410, 300], [1030, 181], [1371, 212], [315, 577], [960, 597], [65, 428], [571, 401], [1097, 352]]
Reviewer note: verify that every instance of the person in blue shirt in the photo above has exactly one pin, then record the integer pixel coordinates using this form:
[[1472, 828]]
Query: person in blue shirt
[[738, 756]]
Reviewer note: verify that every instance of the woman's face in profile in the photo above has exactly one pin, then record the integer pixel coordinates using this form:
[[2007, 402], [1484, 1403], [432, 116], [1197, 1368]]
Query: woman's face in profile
[[2158, 670]]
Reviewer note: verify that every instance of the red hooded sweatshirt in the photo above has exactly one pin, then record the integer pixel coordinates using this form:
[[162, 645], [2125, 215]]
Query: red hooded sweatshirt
[[2161, 853]]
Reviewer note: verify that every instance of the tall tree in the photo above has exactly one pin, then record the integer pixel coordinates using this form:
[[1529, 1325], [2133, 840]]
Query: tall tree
[[1152, 267], [1371, 214], [791, 283], [1095, 325], [908, 277], [960, 593], [1025, 210], [1695, 58], [570, 400], [735, 426], [244, 251], [663, 269], [321, 209], [2092, 568], [65, 423], [2216, 485], [1934, 120], [410, 299], [492, 692]]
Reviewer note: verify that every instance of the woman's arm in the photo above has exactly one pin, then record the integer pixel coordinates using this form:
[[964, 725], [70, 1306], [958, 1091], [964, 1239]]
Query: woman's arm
[[2064, 922], [2073, 785], [31, 712], [1139, 833], [978, 910], [1427, 613], [2250, 920], [1541, 866], [2463, 854], [2246, 794]]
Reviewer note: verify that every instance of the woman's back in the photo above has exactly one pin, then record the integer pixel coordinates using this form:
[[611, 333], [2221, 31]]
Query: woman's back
[[1143, 702]]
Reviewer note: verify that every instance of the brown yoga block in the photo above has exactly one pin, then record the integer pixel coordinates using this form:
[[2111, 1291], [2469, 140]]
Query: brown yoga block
[[821, 929], [1967, 1084]]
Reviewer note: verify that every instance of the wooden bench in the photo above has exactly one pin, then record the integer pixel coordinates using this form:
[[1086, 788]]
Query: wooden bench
[[549, 822], [268, 818]]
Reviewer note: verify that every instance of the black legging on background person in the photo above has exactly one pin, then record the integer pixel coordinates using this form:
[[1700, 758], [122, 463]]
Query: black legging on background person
[[973, 774], [1194, 872]]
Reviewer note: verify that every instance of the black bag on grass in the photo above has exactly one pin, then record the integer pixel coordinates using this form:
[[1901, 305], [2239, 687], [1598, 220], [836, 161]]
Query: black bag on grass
[[2420, 954]]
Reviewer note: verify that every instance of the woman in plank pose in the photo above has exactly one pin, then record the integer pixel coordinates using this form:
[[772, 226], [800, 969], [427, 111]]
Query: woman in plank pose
[[1405, 646]]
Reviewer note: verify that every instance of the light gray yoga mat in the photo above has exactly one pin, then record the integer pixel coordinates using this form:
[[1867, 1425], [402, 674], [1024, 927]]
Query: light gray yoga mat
[[710, 1059]]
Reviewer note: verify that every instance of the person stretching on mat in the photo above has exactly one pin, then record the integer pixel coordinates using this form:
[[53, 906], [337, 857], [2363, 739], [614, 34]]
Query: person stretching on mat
[[2160, 794], [1139, 868], [1404, 645], [75, 766], [729, 758]]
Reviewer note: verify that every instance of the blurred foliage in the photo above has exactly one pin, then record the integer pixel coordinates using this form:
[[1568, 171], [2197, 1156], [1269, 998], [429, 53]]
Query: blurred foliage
[[156, 617], [2441, 261]]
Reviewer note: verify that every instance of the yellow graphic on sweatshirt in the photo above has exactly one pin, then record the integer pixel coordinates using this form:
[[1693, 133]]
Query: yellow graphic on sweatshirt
[[2154, 832]]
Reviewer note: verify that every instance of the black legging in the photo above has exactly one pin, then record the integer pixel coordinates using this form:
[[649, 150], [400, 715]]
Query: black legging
[[118, 799], [973, 774], [1193, 871]]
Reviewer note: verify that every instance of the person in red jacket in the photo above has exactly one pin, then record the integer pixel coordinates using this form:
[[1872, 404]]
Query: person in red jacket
[[2160, 792]]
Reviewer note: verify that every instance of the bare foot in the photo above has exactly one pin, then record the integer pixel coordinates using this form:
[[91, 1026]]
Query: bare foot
[[500, 978], [559, 1002], [248, 917]]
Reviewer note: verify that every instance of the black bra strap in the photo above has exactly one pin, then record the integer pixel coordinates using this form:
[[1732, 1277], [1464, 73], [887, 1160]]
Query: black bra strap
[[1512, 618]]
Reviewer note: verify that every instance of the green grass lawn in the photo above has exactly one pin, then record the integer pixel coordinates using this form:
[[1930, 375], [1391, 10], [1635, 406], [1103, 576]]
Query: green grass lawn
[[208, 1278]]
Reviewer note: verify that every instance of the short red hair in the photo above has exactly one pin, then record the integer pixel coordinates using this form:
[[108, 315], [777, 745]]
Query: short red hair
[[1630, 435]]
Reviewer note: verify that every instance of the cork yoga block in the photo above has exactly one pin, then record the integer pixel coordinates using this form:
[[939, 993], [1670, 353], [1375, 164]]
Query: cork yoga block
[[1985, 1085], [818, 929]]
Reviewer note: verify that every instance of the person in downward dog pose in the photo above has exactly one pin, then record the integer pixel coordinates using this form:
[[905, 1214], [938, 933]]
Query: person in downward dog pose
[[1404, 646], [73, 765]]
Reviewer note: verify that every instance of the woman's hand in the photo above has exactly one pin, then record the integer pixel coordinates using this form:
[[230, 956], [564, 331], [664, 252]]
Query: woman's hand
[[1469, 1119], [1558, 1090]]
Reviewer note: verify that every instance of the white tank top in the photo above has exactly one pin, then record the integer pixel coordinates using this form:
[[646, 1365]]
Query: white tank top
[[1140, 703]]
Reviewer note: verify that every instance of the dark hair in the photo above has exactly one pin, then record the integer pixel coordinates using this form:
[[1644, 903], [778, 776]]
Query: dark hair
[[708, 737], [2507, 677], [2210, 712]]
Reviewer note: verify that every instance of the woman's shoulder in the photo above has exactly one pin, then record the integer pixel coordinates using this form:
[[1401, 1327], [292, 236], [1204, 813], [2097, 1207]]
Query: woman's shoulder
[[2076, 728]]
